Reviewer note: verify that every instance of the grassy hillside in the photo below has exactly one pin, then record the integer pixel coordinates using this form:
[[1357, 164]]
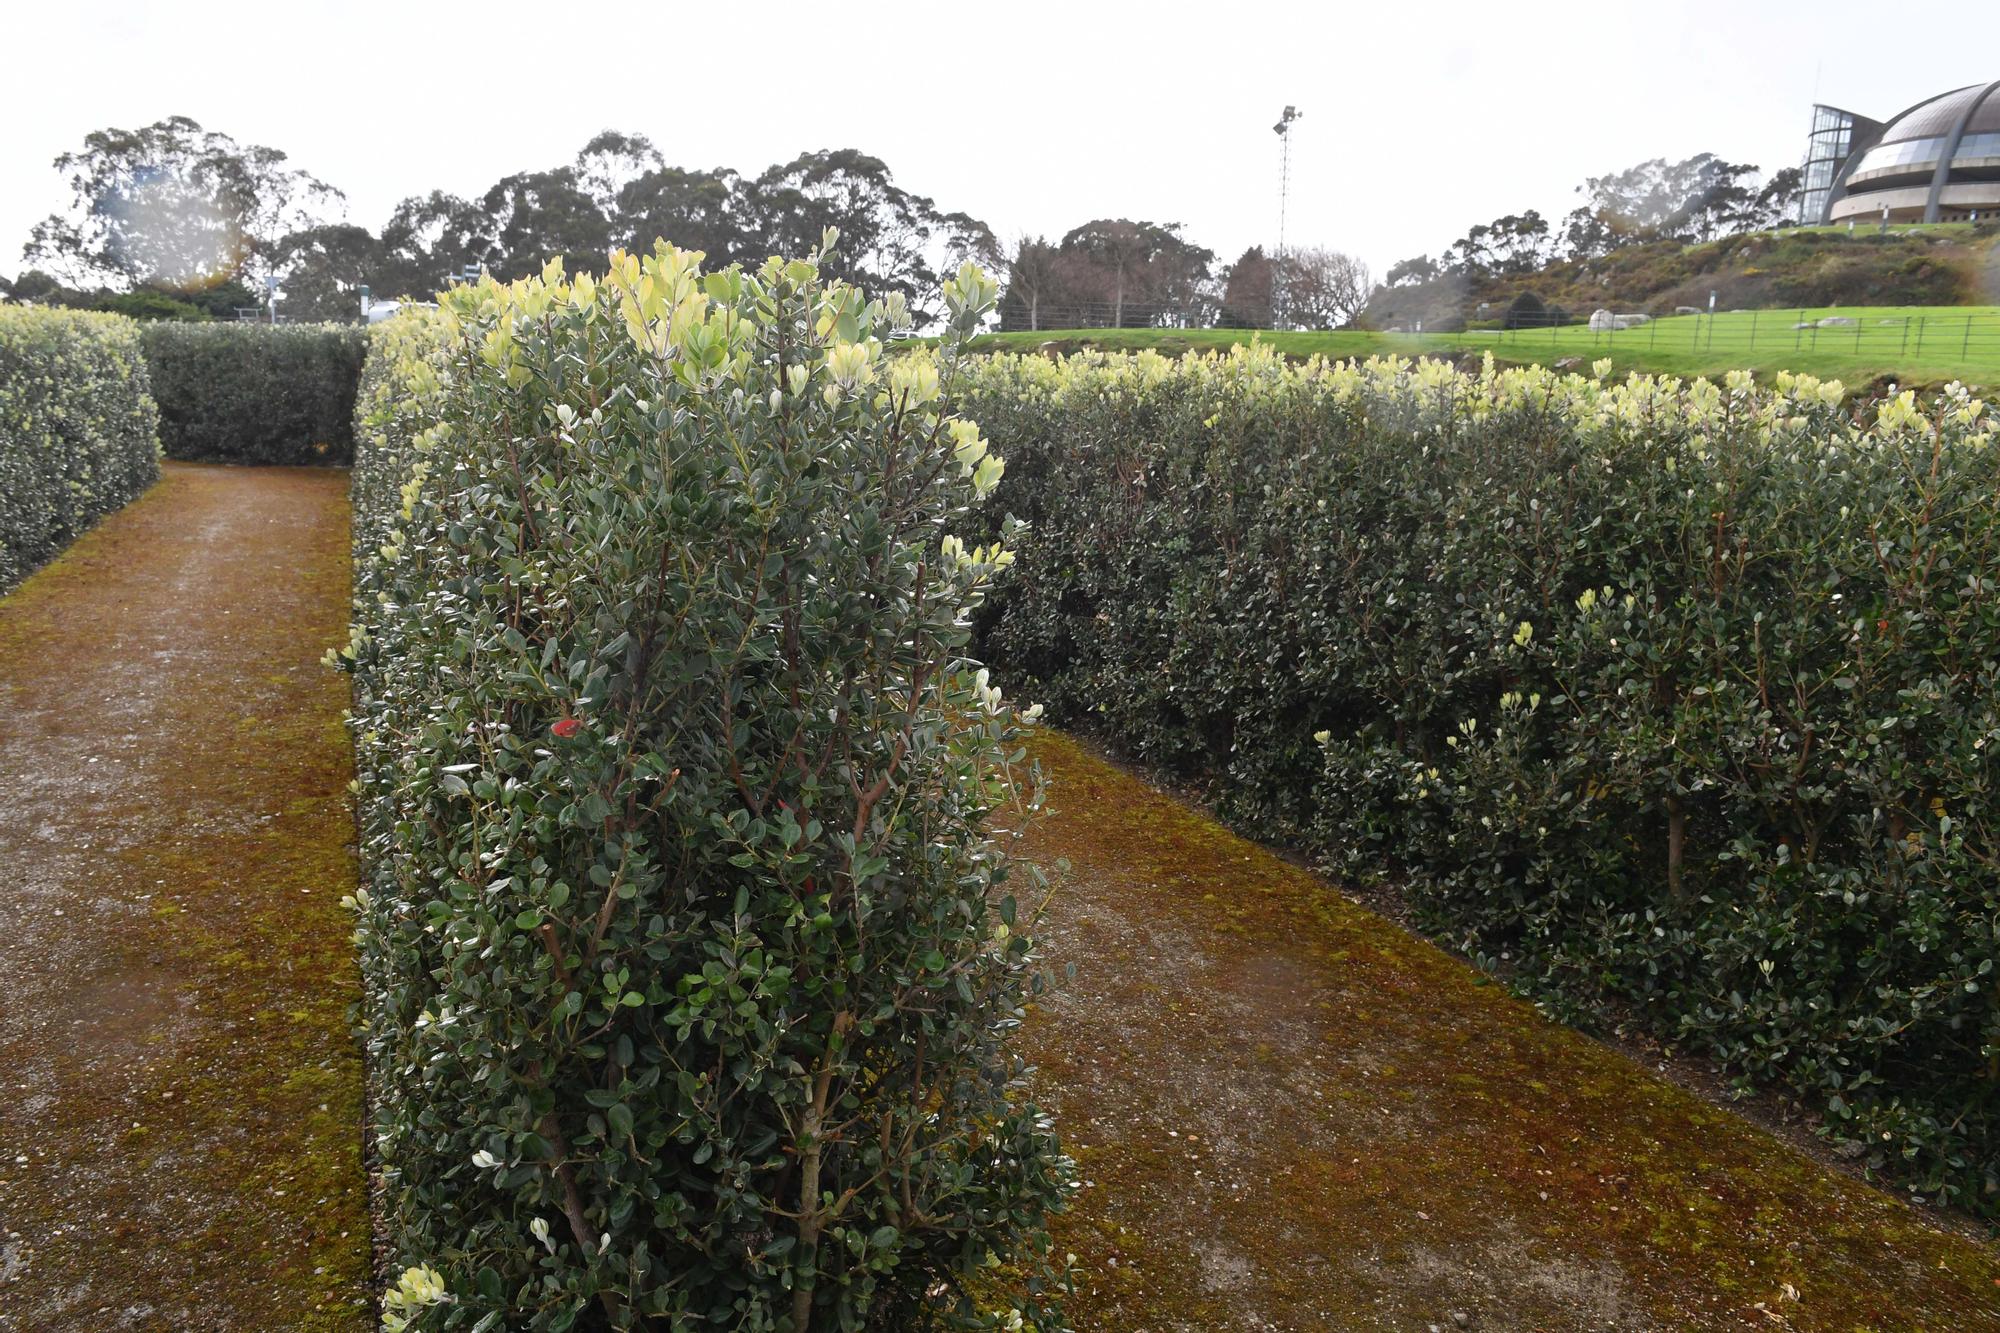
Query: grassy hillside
[[1917, 345], [1944, 265]]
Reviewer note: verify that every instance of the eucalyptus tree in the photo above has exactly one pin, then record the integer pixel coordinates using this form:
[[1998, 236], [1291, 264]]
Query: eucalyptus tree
[[174, 206]]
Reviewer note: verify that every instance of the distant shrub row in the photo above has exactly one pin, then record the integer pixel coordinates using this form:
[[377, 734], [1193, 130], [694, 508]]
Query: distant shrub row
[[78, 432], [256, 393], [1676, 699], [688, 958]]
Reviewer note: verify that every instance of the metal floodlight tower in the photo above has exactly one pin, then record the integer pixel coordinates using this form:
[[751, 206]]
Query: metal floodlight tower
[[1283, 129]]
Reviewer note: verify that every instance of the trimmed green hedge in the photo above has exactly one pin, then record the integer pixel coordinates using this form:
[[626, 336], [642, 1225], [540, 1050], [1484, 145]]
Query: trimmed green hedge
[[256, 393], [1664, 699], [689, 959], [78, 431]]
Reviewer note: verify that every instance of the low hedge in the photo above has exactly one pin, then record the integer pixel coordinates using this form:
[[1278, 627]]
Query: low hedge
[[256, 393], [689, 960], [1665, 699], [78, 431]]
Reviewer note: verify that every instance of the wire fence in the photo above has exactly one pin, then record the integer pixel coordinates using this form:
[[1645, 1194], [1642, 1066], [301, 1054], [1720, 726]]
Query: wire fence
[[1020, 316], [1931, 336]]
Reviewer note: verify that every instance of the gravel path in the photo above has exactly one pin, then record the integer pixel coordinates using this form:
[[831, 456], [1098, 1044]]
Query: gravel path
[[1292, 1115], [179, 1093]]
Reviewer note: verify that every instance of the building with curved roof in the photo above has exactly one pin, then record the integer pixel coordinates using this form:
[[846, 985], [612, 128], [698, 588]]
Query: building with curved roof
[[1938, 161]]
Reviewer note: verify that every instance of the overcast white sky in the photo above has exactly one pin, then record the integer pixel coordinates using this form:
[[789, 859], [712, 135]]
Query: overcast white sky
[[1420, 118]]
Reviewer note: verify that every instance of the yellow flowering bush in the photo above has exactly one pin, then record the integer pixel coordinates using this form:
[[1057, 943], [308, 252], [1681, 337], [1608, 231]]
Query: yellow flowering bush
[[690, 963]]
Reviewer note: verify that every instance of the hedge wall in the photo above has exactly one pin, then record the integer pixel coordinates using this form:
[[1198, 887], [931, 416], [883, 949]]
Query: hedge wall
[[256, 393], [1667, 699], [78, 431], [688, 958]]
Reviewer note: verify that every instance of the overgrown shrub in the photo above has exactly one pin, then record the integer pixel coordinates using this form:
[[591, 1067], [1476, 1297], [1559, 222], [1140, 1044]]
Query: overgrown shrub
[[689, 951], [1673, 697], [256, 393], [78, 432]]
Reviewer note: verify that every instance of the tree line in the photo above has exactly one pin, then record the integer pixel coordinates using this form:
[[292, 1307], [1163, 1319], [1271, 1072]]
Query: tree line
[[175, 220], [1699, 199], [1631, 219], [1117, 273], [177, 214]]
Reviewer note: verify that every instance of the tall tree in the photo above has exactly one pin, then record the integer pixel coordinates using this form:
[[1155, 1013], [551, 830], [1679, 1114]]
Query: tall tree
[[964, 237], [1721, 199], [1146, 263], [1639, 200], [532, 217], [174, 206], [35, 287], [427, 237], [1039, 281], [890, 239], [1247, 291], [321, 271], [1414, 271], [1698, 198], [1589, 234], [696, 210], [1778, 201], [610, 163], [1519, 242]]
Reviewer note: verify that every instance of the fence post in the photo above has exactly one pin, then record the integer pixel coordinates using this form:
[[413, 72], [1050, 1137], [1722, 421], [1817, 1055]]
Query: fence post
[[1966, 347], [1906, 333], [1798, 330], [1920, 335], [1753, 332]]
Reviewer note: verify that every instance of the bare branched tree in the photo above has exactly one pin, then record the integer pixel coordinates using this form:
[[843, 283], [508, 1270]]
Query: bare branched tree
[[1322, 289]]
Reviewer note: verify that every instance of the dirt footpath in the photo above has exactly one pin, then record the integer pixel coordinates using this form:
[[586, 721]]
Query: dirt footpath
[[179, 1094], [1291, 1115]]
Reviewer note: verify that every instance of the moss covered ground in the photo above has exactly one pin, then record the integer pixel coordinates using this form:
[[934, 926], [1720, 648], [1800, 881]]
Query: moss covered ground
[[1290, 1114], [180, 1120]]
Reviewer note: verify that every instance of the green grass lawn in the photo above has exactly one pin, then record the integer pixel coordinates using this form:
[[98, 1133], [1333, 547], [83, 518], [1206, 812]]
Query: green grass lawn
[[1919, 345]]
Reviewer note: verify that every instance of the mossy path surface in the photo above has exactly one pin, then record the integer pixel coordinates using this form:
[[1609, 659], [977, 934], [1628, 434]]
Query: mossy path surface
[[179, 1092], [1291, 1115]]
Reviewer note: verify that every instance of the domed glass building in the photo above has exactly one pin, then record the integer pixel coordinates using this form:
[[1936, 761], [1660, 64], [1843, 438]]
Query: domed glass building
[[1938, 161]]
